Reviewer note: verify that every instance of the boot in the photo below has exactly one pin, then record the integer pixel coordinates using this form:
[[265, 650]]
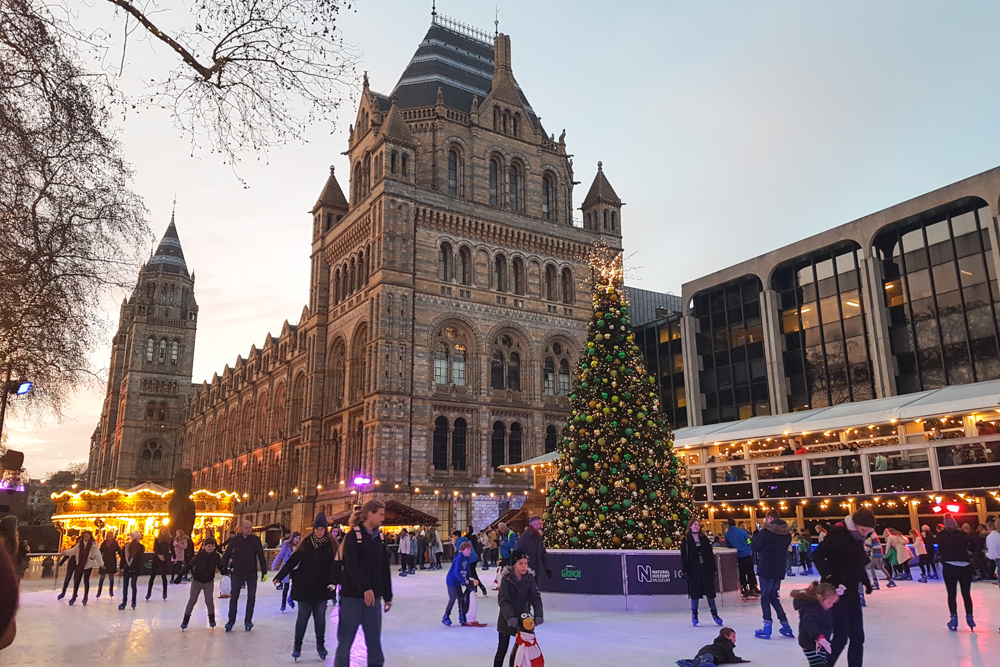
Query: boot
[[229, 627], [61, 595], [446, 621], [971, 622], [922, 579], [84, 601], [296, 653], [765, 632], [211, 620], [875, 585], [786, 630], [248, 626], [953, 623], [321, 650], [715, 617], [184, 623], [121, 607], [72, 601], [694, 617], [889, 583]]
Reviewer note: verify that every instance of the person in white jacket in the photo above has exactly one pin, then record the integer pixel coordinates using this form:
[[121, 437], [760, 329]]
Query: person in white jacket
[[404, 552], [88, 556], [993, 543], [923, 558], [896, 541]]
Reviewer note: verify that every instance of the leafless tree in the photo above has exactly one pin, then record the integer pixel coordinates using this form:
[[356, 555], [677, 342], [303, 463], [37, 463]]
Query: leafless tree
[[70, 226]]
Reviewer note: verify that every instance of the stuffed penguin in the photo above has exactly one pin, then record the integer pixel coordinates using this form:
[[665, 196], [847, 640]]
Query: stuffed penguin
[[528, 654]]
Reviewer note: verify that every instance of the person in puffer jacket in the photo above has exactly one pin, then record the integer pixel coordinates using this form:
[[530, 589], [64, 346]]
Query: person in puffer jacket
[[814, 605], [518, 595], [771, 543], [720, 652]]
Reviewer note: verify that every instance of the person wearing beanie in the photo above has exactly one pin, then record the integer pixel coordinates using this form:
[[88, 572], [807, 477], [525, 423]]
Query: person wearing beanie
[[202, 568], [955, 547], [311, 567], [287, 546], [842, 562], [131, 566]]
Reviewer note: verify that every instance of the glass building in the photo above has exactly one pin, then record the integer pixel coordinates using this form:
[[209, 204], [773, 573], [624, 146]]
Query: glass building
[[661, 345]]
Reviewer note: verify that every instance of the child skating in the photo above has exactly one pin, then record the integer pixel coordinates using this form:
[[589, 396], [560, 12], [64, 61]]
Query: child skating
[[719, 652], [814, 605], [518, 595], [458, 578], [202, 567]]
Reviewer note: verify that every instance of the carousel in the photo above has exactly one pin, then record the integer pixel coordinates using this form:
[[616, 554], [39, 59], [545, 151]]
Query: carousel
[[144, 508]]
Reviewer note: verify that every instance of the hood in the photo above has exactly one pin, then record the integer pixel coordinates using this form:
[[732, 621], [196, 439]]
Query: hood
[[798, 604], [778, 527]]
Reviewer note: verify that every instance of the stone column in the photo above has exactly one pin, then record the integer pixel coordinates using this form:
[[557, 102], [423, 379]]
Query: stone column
[[877, 322], [773, 351], [692, 380]]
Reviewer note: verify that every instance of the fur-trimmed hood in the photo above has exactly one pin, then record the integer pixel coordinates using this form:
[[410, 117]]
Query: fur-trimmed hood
[[777, 526]]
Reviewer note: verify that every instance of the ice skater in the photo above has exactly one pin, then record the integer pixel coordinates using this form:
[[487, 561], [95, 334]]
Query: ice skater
[[771, 544], [243, 557], [202, 568], [698, 565], [956, 548], [459, 576], [111, 551], [131, 562], [285, 585], [518, 595], [814, 605], [162, 549], [88, 556], [68, 558], [719, 652]]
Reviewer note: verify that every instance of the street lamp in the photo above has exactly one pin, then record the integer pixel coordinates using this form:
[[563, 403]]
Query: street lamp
[[17, 387], [360, 481]]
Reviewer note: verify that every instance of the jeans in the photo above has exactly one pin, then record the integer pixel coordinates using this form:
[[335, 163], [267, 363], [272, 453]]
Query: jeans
[[238, 581], [457, 593], [85, 575], [848, 625], [955, 576], [160, 566], [129, 577], [502, 648], [769, 598], [315, 609], [748, 580], [354, 613], [111, 584], [197, 588]]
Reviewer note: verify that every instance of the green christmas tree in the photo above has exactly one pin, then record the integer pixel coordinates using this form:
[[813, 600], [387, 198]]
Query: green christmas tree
[[619, 485]]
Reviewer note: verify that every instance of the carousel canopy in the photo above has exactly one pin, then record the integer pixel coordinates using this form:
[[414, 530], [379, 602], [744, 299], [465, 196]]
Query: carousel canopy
[[396, 514]]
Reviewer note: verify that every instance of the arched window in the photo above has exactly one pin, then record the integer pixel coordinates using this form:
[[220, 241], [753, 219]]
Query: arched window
[[550, 439], [517, 117], [614, 220], [464, 267], [513, 178], [605, 219], [161, 413], [496, 370], [441, 364], [444, 262], [359, 361], [496, 119], [549, 377], [517, 276], [336, 287], [505, 121], [161, 356], [356, 182], [458, 366], [440, 444], [174, 349], [329, 222], [453, 172], [514, 444], [494, 182], [151, 460], [567, 286], [352, 283], [546, 197], [514, 372], [458, 445], [150, 411], [564, 377], [551, 282], [498, 445], [150, 347], [404, 168], [500, 273], [392, 161]]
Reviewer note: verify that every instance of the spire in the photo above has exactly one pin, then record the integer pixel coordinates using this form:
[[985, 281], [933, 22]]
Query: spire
[[332, 196], [601, 190], [504, 87], [169, 258], [395, 128]]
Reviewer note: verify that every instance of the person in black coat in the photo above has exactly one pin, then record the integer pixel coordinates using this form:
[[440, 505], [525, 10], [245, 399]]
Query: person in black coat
[[163, 549], [842, 562], [243, 557], [111, 551], [532, 543], [956, 548], [131, 566], [698, 565], [815, 605], [202, 567], [770, 543], [518, 595], [720, 652], [313, 583]]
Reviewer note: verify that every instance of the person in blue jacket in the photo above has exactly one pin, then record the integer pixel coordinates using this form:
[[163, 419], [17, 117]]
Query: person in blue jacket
[[458, 577], [739, 539], [508, 542]]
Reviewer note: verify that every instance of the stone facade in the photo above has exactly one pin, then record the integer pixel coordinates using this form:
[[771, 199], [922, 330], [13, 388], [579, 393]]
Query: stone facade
[[448, 301]]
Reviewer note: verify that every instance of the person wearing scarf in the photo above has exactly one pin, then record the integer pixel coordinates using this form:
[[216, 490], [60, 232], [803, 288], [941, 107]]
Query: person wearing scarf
[[110, 553], [131, 561], [311, 567], [88, 556]]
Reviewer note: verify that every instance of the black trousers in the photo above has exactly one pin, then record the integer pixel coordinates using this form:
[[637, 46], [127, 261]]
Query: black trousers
[[502, 647], [955, 576], [848, 626], [161, 566], [85, 575], [129, 577], [748, 580], [111, 583], [234, 601]]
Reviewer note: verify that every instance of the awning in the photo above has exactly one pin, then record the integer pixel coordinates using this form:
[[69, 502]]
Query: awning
[[544, 459], [921, 405], [396, 514]]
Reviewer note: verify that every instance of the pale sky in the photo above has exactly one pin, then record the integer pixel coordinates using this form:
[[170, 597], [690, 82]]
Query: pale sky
[[728, 128]]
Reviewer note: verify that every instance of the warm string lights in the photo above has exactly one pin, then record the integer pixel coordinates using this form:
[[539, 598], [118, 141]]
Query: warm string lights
[[618, 483]]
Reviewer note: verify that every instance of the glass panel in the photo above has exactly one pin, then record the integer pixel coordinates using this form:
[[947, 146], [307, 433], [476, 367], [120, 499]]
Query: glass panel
[[964, 224], [458, 445], [945, 278], [902, 482], [458, 366], [840, 464], [810, 316], [514, 372], [919, 284], [937, 233], [830, 309], [441, 364], [894, 294], [850, 303]]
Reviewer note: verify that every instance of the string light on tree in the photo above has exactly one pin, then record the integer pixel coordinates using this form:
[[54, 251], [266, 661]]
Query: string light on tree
[[619, 484]]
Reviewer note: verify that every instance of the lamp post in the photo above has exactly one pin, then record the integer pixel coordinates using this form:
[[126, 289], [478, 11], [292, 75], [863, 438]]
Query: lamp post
[[17, 387], [360, 481]]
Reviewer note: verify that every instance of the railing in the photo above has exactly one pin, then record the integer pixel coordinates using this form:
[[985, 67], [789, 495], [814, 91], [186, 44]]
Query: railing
[[462, 28], [955, 464]]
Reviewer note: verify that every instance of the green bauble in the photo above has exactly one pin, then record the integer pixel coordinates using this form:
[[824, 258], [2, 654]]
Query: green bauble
[[673, 491], [584, 475], [627, 503], [667, 541], [603, 490]]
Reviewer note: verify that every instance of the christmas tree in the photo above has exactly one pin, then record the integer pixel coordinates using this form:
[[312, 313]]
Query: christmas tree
[[619, 485]]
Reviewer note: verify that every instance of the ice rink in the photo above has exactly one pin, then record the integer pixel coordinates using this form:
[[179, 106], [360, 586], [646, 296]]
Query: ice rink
[[905, 625]]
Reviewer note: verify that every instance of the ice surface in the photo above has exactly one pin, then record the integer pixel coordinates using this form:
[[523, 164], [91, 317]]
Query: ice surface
[[905, 625]]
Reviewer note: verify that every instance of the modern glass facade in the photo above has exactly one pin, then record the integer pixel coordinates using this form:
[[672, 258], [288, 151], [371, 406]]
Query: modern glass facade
[[730, 348], [941, 295], [825, 338], [660, 342]]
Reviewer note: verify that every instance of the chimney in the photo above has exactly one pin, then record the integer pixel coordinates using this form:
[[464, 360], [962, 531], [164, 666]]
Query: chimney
[[501, 53]]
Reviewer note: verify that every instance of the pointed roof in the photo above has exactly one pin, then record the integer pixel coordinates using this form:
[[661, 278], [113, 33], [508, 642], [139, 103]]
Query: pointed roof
[[169, 258], [395, 129], [457, 59], [332, 196], [600, 190]]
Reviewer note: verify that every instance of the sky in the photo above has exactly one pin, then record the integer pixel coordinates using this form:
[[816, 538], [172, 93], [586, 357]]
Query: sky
[[728, 128]]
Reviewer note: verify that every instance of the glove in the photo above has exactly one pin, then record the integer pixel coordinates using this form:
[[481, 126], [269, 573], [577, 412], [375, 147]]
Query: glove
[[823, 643], [841, 589], [263, 576], [548, 573], [512, 622], [539, 620]]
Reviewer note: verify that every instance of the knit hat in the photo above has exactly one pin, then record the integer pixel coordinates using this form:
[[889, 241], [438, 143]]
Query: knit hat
[[950, 523], [320, 521], [864, 517], [209, 540], [135, 535]]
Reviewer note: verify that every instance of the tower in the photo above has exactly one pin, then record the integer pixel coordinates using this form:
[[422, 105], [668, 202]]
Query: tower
[[602, 208], [150, 375]]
